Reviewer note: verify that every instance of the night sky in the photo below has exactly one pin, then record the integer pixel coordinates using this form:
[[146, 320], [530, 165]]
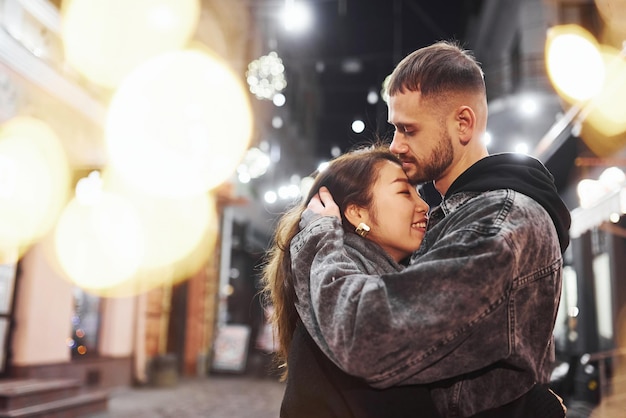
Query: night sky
[[376, 34]]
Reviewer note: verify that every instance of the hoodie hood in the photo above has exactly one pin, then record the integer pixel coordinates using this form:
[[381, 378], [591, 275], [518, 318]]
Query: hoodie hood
[[521, 173]]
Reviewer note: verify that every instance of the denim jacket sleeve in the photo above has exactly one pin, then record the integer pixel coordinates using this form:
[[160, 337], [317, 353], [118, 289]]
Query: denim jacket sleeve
[[322, 240], [398, 328]]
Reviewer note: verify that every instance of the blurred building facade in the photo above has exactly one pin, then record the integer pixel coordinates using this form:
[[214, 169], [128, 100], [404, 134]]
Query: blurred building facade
[[50, 328]]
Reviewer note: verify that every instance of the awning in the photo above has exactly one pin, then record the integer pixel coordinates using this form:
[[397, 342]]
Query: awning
[[585, 219]]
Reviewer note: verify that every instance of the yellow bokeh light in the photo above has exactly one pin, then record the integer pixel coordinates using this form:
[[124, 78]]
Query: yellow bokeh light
[[172, 227], [168, 275], [106, 39], [608, 114], [99, 245], [177, 237], [599, 143], [147, 279], [34, 181], [574, 63], [179, 124]]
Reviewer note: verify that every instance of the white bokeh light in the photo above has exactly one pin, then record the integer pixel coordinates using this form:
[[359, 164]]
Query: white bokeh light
[[266, 76], [612, 178], [372, 97], [279, 100], [305, 185], [589, 192], [487, 138], [297, 16], [244, 177], [521, 148], [289, 192], [322, 166], [270, 197], [277, 122], [529, 106], [358, 126]]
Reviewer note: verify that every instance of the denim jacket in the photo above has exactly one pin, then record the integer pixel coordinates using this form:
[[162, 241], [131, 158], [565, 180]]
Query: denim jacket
[[473, 313], [316, 387]]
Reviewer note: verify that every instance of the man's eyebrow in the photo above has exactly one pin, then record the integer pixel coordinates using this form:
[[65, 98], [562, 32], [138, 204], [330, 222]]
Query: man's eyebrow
[[402, 125]]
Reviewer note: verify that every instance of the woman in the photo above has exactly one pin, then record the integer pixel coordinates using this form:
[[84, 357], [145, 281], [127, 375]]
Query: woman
[[368, 184]]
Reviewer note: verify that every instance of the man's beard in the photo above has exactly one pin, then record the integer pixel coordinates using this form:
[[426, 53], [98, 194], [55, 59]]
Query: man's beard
[[440, 159]]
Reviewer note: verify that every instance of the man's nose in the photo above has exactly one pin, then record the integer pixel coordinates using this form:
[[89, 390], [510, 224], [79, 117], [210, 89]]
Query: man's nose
[[397, 145]]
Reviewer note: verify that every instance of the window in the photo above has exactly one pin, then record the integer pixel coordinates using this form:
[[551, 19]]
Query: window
[[85, 324]]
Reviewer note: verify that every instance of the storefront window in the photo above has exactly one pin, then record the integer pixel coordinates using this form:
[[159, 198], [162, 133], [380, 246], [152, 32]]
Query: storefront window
[[604, 293], [7, 283], [565, 328], [83, 340]]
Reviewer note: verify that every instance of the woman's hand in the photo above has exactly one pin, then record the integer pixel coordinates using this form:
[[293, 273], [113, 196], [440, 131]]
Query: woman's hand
[[323, 204]]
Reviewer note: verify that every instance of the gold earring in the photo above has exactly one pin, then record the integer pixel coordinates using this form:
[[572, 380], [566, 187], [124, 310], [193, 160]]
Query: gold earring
[[363, 229]]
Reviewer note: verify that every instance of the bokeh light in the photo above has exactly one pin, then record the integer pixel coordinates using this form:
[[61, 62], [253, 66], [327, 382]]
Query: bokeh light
[[266, 76], [270, 196], [612, 178], [574, 63], [99, 244], [372, 97], [487, 138], [589, 192], [599, 143], [608, 110], [106, 39], [279, 100], [297, 16], [135, 241], [358, 126], [34, 181], [179, 124], [255, 164], [521, 148], [179, 234], [172, 227]]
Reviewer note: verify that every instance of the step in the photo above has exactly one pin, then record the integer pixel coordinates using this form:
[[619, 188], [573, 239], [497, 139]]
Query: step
[[77, 406], [19, 393]]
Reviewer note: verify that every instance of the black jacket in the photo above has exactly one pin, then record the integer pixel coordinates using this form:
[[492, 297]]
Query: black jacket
[[316, 388]]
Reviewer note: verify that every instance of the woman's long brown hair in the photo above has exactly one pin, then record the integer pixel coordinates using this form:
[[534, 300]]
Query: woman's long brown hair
[[349, 179]]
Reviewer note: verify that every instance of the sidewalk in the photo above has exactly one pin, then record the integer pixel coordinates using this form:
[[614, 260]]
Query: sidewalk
[[244, 396], [215, 396]]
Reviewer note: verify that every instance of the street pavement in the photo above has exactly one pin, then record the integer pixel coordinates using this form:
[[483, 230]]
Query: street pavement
[[245, 396], [213, 396]]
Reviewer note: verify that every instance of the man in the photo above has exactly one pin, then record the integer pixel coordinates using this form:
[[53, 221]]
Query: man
[[475, 309]]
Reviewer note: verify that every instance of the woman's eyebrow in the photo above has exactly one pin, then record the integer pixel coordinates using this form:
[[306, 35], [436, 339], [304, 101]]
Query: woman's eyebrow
[[400, 180]]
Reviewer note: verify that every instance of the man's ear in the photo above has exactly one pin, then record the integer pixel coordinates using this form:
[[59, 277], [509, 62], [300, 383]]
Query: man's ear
[[466, 123], [355, 214]]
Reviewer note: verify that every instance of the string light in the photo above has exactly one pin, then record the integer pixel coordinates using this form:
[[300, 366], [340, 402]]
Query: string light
[[266, 76]]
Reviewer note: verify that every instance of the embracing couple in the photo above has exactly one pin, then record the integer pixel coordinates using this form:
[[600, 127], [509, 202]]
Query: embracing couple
[[385, 307]]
